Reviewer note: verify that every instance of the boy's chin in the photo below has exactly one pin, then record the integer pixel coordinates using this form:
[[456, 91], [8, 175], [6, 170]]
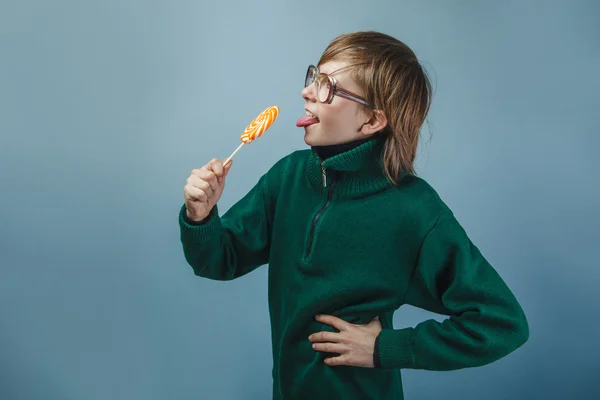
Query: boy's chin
[[309, 138], [312, 138]]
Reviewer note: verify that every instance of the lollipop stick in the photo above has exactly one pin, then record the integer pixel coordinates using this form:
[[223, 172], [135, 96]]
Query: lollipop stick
[[231, 156]]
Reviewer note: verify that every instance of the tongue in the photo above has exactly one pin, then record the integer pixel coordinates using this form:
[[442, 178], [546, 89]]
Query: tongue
[[305, 121]]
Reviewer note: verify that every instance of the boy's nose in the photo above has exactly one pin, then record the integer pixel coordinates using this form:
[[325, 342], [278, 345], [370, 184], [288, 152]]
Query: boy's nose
[[308, 93]]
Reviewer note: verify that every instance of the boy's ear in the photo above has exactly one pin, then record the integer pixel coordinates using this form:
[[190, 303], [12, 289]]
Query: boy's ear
[[377, 122]]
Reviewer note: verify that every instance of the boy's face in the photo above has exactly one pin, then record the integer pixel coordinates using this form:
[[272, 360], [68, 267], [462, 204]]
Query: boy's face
[[341, 121]]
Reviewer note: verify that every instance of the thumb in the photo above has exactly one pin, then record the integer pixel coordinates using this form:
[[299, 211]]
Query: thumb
[[227, 168]]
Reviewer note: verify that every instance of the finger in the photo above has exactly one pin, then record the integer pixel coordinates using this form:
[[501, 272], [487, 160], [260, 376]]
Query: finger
[[195, 194], [205, 186], [343, 359], [210, 177], [336, 322], [326, 337], [217, 167], [204, 177], [330, 347]]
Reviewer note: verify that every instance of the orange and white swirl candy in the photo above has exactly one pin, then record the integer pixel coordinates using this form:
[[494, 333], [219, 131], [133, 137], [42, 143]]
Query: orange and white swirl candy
[[260, 124], [257, 127]]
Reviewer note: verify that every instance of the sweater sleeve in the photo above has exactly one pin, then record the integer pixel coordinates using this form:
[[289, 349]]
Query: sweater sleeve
[[227, 247], [485, 321]]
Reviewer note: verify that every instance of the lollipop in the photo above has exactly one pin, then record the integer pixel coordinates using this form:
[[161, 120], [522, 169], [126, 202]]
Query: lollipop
[[256, 128]]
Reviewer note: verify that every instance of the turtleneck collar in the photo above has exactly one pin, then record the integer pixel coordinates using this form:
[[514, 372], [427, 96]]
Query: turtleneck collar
[[331, 150], [353, 173]]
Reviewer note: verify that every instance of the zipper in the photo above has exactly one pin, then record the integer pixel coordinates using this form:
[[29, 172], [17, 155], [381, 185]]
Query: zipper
[[322, 210]]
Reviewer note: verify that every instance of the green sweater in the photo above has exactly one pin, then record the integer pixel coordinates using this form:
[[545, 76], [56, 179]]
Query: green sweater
[[339, 239]]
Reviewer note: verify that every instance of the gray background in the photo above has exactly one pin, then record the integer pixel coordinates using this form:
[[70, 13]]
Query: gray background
[[106, 106]]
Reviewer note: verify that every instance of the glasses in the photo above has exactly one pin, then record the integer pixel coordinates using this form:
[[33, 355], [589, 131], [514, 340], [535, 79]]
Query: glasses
[[327, 87]]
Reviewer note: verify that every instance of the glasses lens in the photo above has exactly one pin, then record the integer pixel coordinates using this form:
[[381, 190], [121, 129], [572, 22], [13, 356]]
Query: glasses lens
[[310, 76], [323, 88]]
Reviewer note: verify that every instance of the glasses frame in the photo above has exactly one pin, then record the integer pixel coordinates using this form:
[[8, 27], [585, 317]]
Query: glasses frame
[[334, 89]]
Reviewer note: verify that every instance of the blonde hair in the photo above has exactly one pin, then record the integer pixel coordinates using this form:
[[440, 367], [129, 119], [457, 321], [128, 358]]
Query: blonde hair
[[393, 81]]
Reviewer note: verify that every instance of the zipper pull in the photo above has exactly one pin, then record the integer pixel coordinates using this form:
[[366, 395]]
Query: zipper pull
[[324, 175]]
